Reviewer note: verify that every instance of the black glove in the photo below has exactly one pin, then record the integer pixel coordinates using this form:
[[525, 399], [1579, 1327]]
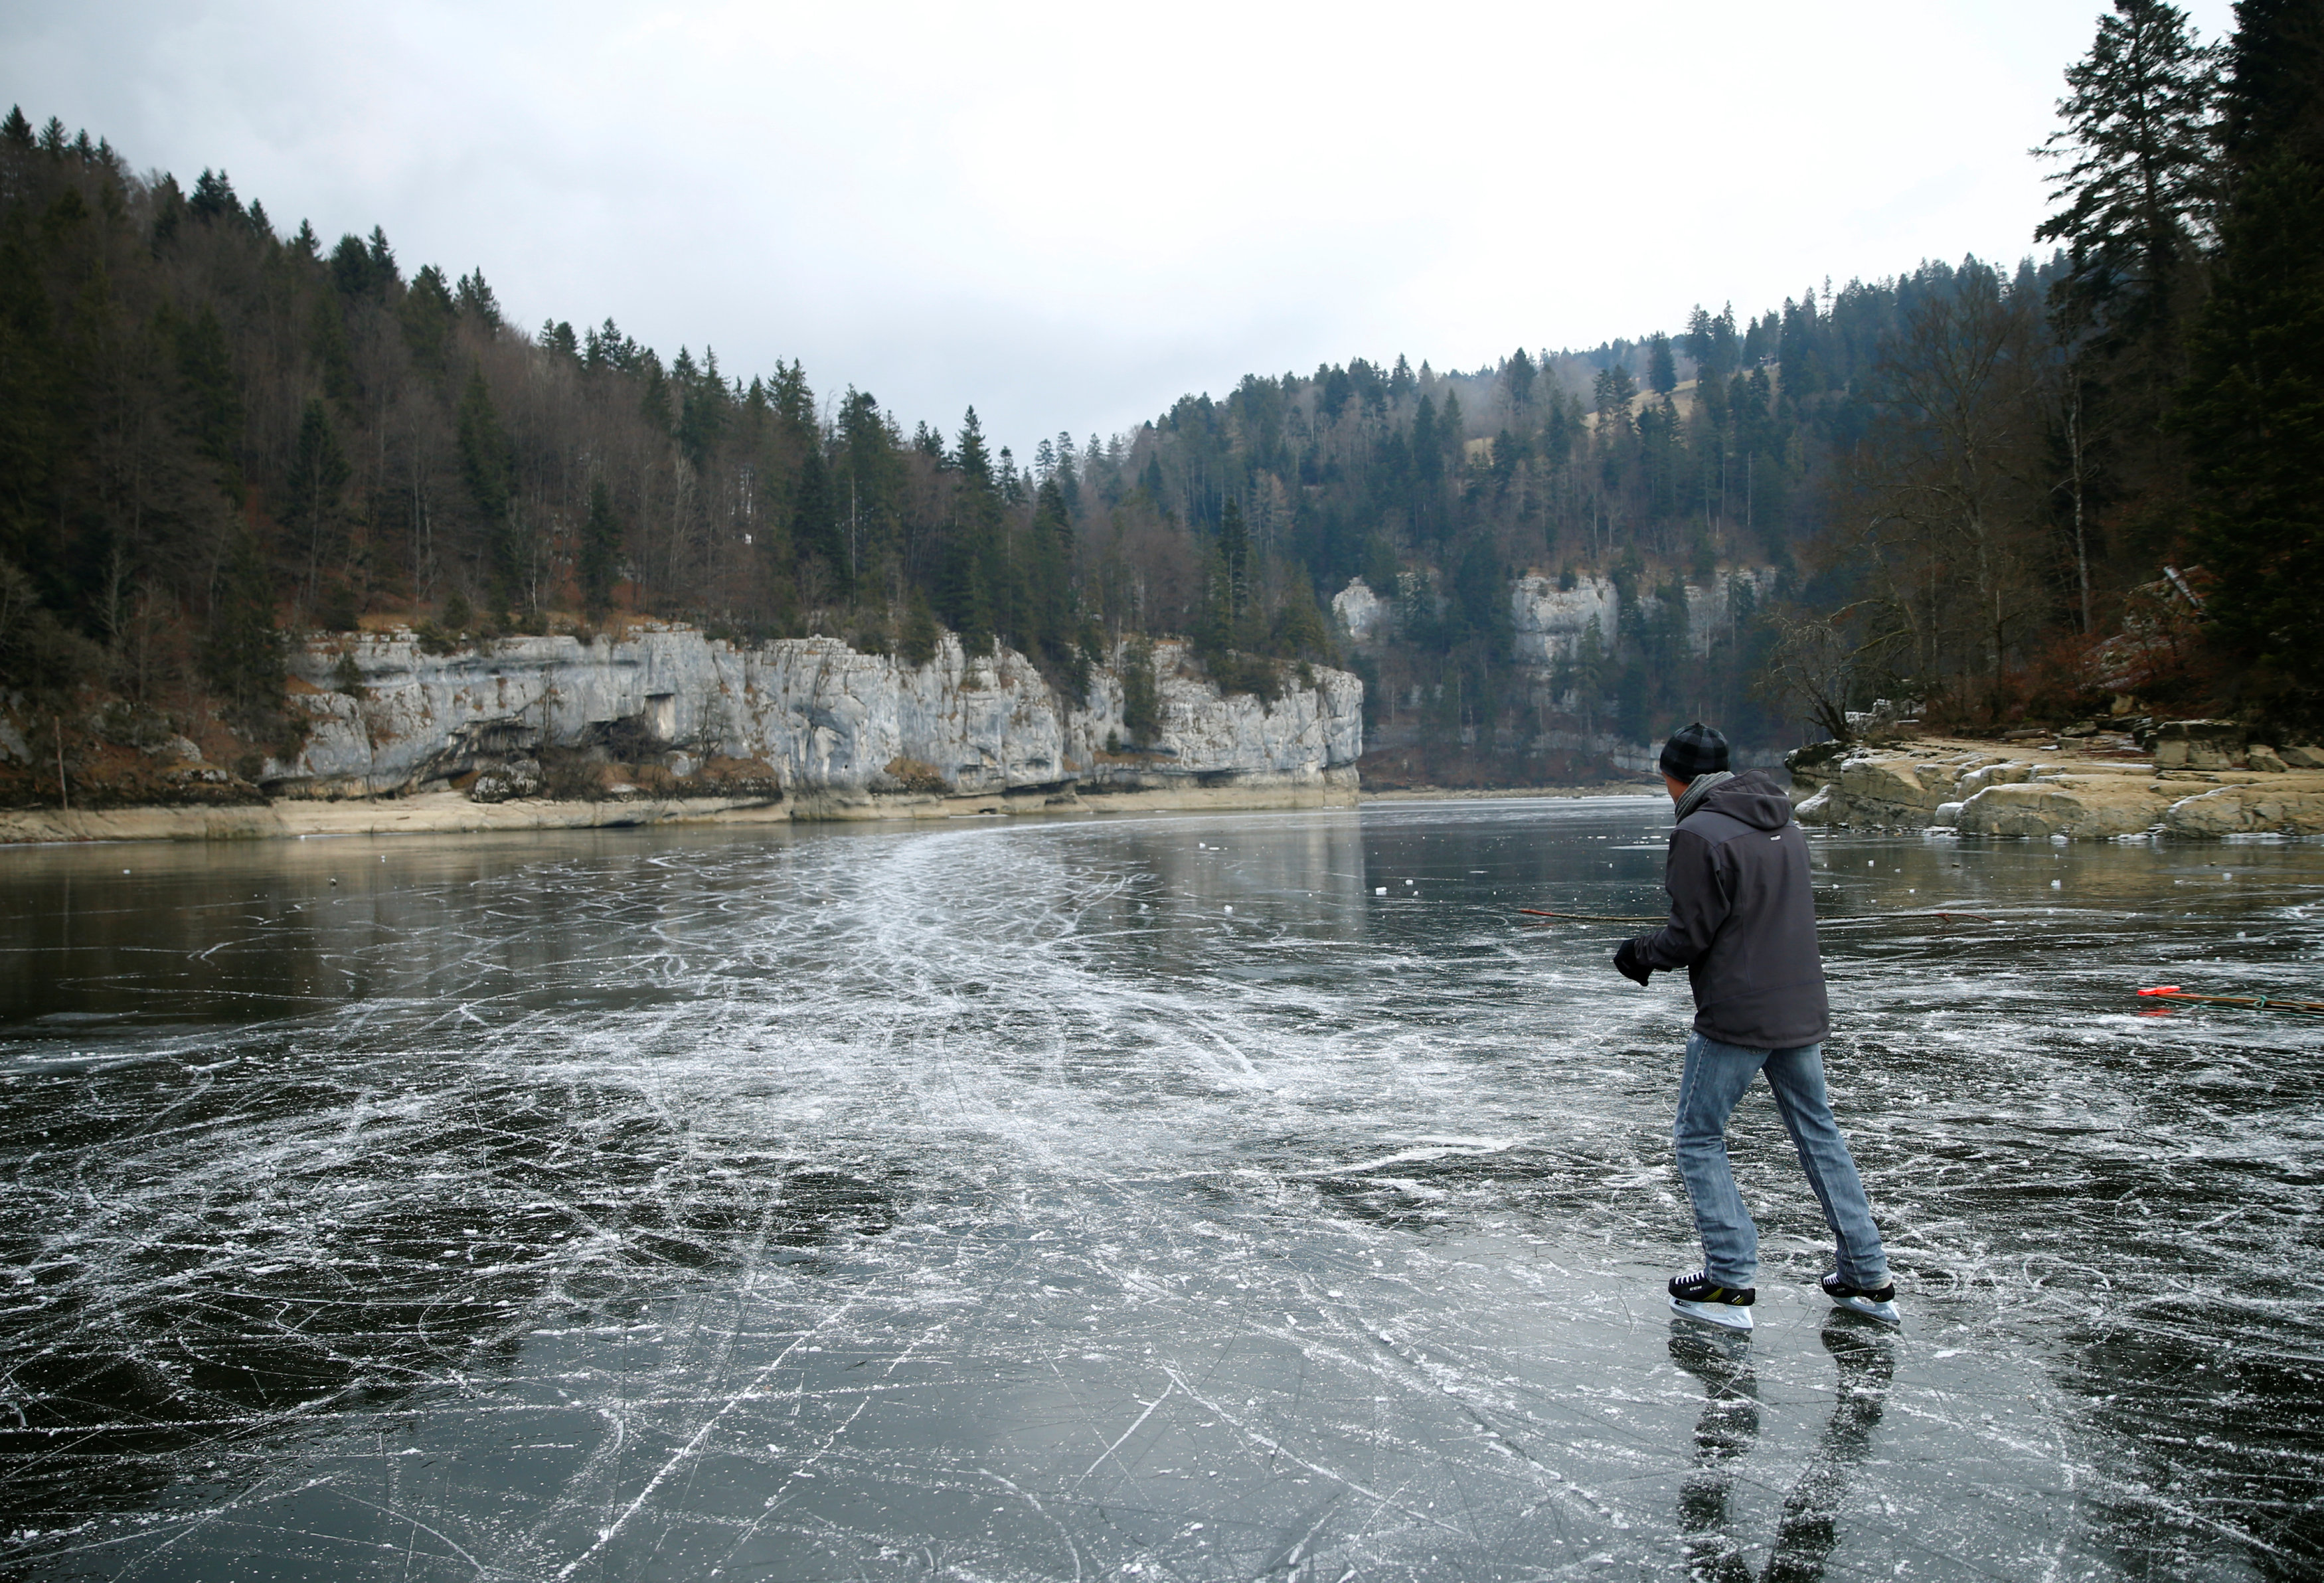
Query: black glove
[[1626, 963]]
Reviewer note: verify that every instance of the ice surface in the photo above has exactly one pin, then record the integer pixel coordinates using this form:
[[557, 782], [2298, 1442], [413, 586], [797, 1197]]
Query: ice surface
[[989, 1202]]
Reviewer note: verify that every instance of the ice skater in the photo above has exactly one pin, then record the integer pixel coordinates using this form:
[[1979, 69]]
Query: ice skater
[[1742, 923]]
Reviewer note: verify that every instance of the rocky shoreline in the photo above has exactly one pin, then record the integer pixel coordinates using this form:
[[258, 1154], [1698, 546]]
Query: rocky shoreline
[[2189, 779]]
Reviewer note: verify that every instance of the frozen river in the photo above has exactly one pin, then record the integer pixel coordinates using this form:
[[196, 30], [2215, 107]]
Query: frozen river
[[1131, 1199]]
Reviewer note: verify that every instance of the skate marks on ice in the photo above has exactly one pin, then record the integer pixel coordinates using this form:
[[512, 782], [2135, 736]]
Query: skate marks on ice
[[1222, 1418], [995, 1203], [2138, 1194]]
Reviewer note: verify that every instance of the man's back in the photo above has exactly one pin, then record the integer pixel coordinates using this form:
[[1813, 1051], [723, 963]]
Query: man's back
[[1743, 919]]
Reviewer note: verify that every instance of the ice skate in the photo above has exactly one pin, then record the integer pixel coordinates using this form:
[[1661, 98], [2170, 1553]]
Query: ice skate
[[1699, 1297], [1876, 1301]]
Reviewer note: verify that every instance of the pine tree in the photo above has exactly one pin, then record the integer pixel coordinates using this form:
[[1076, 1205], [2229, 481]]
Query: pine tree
[[428, 313], [212, 398], [1234, 569], [2137, 139], [1050, 621], [488, 467], [601, 552], [2271, 100], [213, 198], [815, 525], [917, 641], [2254, 415], [973, 593], [1300, 629], [1519, 376], [1141, 704], [653, 394], [1662, 368], [476, 301], [381, 258], [327, 335], [242, 655], [313, 487], [351, 270]]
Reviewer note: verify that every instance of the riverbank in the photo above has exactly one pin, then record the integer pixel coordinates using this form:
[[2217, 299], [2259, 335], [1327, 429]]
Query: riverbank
[[454, 813], [2187, 778], [1465, 794]]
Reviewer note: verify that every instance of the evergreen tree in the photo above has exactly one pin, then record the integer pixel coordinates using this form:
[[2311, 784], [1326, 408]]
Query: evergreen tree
[[428, 313], [653, 395], [351, 270], [385, 275], [213, 397], [815, 522], [1518, 376], [1662, 368], [1300, 629], [1141, 702], [334, 357], [1050, 624], [917, 641], [872, 468], [476, 301], [601, 552], [973, 591], [488, 467], [242, 656], [2137, 142], [2253, 417], [213, 198], [2271, 100], [1612, 394], [313, 489], [1235, 565]]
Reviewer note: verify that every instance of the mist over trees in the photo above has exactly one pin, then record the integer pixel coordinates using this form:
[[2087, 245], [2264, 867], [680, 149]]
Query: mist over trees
[[2002, 489]]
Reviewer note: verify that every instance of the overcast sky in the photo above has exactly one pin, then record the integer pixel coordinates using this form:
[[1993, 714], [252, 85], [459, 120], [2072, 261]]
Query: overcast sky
[[1071, 215]]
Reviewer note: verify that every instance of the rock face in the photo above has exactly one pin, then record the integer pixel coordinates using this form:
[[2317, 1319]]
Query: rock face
[[1362, 613], [2198, 744], [1879, 786], [2251, 810], [1979, 792], [813, 715], [2084, 807], [1551, 621]]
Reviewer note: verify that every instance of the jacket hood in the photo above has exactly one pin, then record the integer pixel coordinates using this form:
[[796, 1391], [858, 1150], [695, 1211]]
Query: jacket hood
[[1752, 797]]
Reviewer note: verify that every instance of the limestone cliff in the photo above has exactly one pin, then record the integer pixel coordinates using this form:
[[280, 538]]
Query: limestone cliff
[[810, 714], [1551, 621]]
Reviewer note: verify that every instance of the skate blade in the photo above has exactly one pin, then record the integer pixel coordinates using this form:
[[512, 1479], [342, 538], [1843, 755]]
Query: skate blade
[[1725, 1315], [1885, 1313]]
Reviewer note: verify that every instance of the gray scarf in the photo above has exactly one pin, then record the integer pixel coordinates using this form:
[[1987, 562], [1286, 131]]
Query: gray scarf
[[1697, 789]]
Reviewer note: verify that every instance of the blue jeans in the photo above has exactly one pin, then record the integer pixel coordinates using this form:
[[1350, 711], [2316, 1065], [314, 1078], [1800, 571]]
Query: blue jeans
[[1715, 1079]]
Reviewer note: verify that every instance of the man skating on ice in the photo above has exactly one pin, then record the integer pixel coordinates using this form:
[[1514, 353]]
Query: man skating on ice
[[1742, 923]]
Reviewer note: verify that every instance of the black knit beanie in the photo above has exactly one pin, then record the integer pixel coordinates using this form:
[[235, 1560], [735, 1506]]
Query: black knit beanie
[[1691, 750]]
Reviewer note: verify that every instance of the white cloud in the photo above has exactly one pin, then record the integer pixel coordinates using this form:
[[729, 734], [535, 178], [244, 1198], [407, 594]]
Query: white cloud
[[1070, 215]]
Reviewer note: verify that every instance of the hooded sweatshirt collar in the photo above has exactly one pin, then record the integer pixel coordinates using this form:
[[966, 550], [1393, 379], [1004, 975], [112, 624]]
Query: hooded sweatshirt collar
[[1699, 787]]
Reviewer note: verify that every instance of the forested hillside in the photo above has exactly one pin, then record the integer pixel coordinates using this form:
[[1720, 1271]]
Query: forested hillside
[[2032, 488]]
